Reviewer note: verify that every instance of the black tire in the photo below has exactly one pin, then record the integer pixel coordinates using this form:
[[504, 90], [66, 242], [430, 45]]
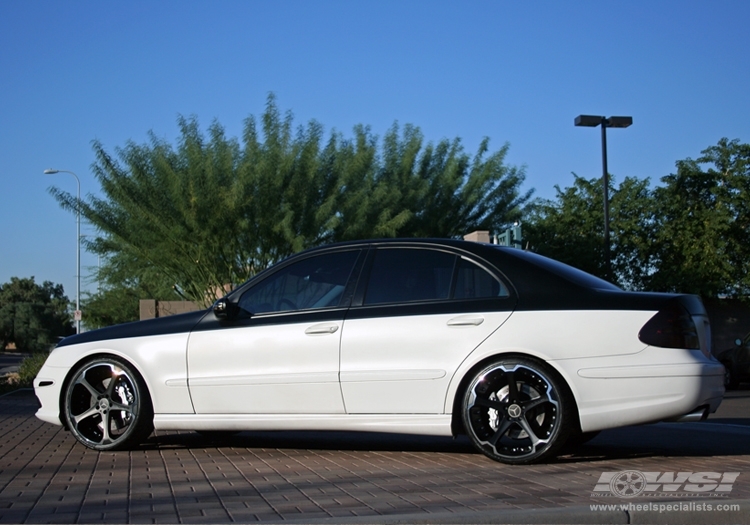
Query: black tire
[[106, 405], [517, 411]]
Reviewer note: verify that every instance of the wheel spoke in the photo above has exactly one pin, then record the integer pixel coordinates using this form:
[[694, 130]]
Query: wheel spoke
[[530, 431], [502, 428], [489, 403], [528, 405], [92, 411], [88, 386], [106, 438], [124, 408], [512, 386]]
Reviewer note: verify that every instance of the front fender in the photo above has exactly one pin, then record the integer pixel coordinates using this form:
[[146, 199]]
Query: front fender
[[161, 360]]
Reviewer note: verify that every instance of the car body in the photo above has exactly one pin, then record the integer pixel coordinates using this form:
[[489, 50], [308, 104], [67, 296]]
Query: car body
[[736, 360], [430, 336]]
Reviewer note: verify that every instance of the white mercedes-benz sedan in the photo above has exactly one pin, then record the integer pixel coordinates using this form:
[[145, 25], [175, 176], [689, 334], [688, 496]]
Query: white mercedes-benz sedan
[[433, 336]]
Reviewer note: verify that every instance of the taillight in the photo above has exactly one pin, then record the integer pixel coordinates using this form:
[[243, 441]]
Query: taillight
[[671, 327]]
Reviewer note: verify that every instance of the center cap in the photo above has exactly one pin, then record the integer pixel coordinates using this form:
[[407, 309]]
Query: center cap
[[103, 404], [514, 410]]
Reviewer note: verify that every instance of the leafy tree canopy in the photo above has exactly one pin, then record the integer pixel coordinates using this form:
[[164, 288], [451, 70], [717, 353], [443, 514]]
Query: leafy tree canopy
[[691, 234], [570, 228], [215, 210], [33, 316], [703, 233]]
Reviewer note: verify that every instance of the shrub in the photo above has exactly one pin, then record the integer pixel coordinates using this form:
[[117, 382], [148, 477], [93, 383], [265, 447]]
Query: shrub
[[30, 368]]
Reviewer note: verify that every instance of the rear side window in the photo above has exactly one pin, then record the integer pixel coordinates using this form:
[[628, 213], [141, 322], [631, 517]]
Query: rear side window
[[474, 282], [404, 275]]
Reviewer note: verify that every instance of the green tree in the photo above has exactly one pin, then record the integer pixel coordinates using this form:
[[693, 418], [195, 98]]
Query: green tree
[[33, 316], [111, 306], [121, 282], [215, 211], [703, 231], [570, 228], [415, 190]]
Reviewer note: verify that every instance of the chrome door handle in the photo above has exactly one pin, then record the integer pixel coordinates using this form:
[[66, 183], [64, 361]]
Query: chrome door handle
[[322, 329], [466, 320]]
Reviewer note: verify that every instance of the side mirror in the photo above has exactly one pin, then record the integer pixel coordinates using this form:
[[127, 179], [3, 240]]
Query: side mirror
[[223, 309]]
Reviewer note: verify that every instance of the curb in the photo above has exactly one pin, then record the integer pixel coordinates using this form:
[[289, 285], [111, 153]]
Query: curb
[[17, 390], [672, 512]]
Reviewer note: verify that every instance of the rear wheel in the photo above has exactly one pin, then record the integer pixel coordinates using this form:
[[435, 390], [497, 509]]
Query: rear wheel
[[517, 411], [106, 405]]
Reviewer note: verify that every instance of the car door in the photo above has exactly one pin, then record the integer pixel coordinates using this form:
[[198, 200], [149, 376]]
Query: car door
[[419, 314], [280, 352]]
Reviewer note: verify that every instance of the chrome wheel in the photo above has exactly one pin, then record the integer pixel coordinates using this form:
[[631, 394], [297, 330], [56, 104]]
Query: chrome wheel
[[516, 412], [107, 406]]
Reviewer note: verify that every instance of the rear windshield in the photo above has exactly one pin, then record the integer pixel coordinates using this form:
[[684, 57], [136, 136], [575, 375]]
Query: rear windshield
[[569, 273]]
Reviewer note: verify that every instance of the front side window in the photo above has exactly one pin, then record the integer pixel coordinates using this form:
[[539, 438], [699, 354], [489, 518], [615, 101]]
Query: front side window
[[314, 282]]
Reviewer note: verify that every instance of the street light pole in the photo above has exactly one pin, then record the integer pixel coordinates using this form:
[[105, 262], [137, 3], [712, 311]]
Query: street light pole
[[78, 247], [605, 194], [611, 122]]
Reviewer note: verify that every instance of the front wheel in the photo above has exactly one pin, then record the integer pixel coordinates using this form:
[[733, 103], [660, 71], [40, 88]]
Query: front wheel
[[106, 405], [517, 411]]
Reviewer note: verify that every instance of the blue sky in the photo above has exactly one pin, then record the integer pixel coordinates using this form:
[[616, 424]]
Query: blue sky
[[517, 72]]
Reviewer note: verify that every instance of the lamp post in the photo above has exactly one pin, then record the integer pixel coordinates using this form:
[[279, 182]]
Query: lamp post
[[78, 247], [592, 121]]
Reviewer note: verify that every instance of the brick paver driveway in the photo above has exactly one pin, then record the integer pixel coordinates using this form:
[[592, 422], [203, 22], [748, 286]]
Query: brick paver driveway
[[46, 477]]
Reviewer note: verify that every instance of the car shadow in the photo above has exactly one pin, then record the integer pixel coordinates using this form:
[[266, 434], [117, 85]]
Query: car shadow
[[735, 421], [316, 440], [660, 440], [717, 437]]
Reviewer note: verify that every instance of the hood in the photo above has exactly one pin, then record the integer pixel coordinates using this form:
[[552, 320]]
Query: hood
[[173, 324]]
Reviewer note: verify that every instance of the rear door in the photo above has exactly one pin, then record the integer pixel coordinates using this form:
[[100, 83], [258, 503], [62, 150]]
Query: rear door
[[420, 311]]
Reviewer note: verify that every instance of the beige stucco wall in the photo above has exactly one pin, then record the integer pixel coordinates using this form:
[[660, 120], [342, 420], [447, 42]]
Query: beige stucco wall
[[150, 308]]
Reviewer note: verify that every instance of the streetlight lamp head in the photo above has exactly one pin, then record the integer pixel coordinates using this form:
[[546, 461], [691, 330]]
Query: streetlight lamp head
[[619, 122], [49, 171], [590, 121]]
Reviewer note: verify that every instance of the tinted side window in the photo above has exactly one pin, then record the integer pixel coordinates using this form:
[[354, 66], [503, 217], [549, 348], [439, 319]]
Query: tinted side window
[[474, 282], [408, 274], [315, 282]]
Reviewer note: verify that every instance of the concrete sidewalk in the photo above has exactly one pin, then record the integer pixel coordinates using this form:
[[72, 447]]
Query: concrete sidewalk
[[313, 477]]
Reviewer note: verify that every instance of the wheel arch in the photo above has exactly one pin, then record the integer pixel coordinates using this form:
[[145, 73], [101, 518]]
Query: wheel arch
[[459, 386]]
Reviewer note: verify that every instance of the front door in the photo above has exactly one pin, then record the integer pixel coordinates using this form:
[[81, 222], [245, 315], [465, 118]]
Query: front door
[[281, 354]]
